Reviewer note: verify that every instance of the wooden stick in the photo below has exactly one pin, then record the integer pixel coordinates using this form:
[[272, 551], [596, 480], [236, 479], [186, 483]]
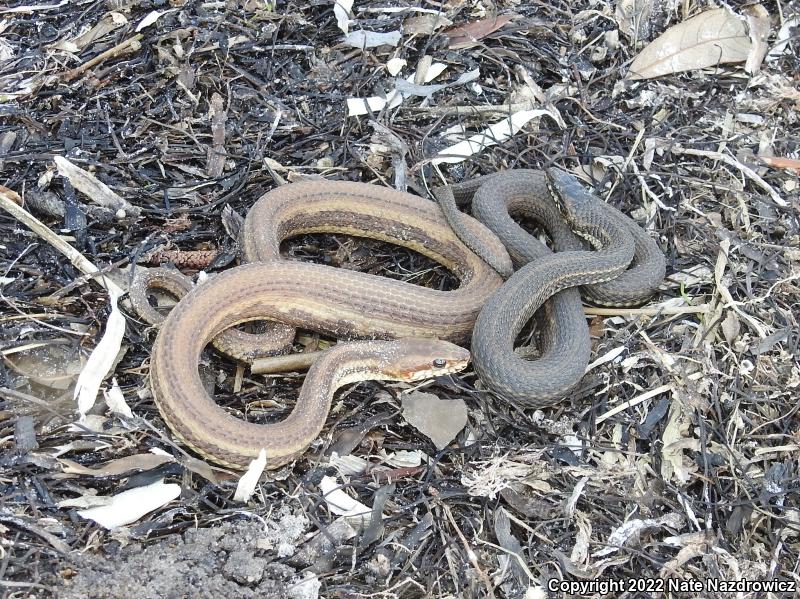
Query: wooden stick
[[77, 259], [110, 53], [647, 311]]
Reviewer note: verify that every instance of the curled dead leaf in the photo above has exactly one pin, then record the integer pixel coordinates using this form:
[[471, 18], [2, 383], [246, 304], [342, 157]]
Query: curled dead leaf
[[469, 34], [120, 466]]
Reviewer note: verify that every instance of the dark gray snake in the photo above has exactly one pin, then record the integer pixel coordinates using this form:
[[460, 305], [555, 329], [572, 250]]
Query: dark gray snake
[[624, 268]]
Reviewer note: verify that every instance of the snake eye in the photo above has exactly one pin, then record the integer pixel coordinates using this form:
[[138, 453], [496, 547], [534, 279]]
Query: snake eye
[[439, 363]]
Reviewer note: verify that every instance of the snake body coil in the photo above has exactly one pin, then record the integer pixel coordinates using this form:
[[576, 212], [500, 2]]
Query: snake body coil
[[333, 301], [351, 305], [625, 271]]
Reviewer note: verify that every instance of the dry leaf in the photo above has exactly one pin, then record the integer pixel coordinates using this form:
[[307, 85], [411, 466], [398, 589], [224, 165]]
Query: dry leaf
[[468, 35], [609, 356], [492, 135], [404, 459], [783, 38], [342, 9], [151, 18], [758, 27], [54, 366], [395, 65], [102, 359], [249, 481], [115, 400], [634, 18], [215, 158], [93, 188], [692, 544], [371, 39], [730, 327], [107, 23], [340, 502], [580, 550], [780, 162], [438, 419], [131, 505], [141, 461], [361, 106], [714, 37], [676, 440], [348, 465], [425, 24]]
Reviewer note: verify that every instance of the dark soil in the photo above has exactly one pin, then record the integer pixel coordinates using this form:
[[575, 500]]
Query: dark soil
[[694, 481]]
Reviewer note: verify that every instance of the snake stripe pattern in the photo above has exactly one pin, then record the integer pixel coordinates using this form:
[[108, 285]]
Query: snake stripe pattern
[[333, 301]]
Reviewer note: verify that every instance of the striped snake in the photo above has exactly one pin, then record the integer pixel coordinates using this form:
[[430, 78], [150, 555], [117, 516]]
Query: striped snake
[[334, 301], [352, 305]]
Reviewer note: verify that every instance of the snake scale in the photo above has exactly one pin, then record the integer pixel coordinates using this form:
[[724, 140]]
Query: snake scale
[[353, 305]]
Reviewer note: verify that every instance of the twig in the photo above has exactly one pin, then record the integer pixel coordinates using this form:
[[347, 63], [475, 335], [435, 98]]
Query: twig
[[110, 53], [77, 259], [648, 311], [731, 161], [288, 363]]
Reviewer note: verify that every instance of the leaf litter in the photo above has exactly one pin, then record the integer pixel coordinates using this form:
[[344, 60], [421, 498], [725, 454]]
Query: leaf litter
[[129, 134]]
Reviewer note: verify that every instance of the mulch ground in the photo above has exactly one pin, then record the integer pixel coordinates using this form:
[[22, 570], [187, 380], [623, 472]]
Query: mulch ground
[[676, 458]]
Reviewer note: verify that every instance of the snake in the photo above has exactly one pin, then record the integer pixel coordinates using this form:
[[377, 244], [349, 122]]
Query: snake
[[200, 423], [333, 301], [624, 269], [362, 210]]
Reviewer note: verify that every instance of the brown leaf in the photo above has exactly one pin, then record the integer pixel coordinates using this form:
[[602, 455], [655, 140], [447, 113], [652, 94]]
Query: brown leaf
[[714, 37], [425, 24], [468, 35], [780, 162], [141, 461]]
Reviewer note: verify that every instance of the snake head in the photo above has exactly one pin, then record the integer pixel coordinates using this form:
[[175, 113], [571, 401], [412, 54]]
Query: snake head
[[415, 359], [568, 192]]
